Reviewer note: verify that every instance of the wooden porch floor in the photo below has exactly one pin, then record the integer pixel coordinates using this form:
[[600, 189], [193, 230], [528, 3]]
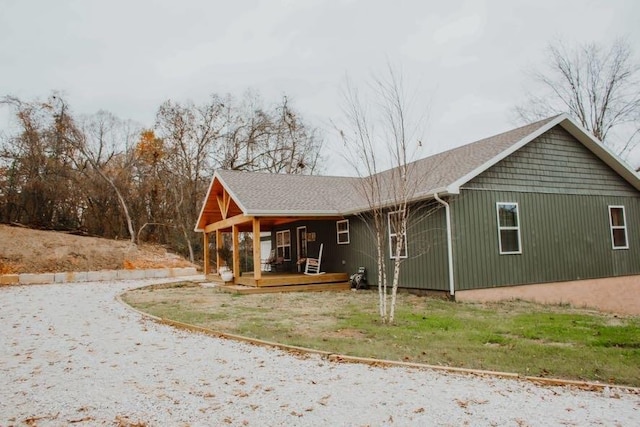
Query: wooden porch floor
[[284, 282]]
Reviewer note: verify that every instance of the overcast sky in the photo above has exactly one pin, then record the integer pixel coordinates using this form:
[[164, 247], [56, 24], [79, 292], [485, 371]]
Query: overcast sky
[[466, 59]]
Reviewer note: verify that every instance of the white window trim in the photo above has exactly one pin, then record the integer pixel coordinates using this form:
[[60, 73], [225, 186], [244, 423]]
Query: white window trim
[[283, 232], [391, 247], [618, 227], [342, 232], [517, 228]]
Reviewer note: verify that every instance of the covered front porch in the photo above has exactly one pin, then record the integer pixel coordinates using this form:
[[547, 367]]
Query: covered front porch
[[226, 221]]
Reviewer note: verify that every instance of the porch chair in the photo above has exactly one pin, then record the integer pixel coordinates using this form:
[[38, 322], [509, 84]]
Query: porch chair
[[266, 263], [313, 264]]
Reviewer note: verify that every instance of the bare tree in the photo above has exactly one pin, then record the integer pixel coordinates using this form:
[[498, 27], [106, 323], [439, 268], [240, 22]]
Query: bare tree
[[98, 139], [36, 165], [275, 140], [191, 134], [599, 85], [384, 127]]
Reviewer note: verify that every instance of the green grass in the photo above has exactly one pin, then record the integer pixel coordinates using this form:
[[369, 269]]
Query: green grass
[[520, 337]]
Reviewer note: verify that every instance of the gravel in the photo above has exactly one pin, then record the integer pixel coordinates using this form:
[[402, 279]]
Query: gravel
[[72, 354]]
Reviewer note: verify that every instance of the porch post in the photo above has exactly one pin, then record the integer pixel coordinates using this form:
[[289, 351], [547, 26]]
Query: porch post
[[206, 253], [236, 252], [218, 246], [257, 263]]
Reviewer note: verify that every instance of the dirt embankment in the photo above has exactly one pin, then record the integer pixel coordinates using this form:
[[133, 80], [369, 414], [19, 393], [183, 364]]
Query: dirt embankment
[[23, 250]]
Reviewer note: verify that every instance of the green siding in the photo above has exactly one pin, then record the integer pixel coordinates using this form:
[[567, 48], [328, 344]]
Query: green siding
[[553, 163], [563, 191], [564, 237], [426, 264], [425, 268]]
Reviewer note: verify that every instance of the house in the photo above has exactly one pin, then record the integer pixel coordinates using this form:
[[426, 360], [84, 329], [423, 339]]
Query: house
[[543, 203]]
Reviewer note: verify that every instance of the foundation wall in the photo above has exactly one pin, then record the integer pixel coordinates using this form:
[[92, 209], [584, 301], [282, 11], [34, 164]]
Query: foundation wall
[[620, 295]]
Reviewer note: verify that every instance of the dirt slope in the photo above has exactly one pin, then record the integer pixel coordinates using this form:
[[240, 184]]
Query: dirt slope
[[24, 250]]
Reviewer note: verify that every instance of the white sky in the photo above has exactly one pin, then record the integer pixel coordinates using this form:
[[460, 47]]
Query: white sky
[[467, 59]]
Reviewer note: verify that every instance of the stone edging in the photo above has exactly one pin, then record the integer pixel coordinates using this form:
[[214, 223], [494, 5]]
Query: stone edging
[[341, 358], [94, 276]]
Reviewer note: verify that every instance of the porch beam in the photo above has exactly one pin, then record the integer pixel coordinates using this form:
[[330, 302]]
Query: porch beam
[[206, 253], [226, 223], [257, 262], [218, 246]]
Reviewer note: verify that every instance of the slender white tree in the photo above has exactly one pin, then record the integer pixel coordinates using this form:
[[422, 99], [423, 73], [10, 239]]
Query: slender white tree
[[382, 136]]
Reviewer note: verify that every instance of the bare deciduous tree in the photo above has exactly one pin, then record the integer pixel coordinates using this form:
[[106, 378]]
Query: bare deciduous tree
[[598, 85], [105, 176], [384, 127]]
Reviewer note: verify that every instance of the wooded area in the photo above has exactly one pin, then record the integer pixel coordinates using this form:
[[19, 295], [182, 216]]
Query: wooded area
[[104, 176]]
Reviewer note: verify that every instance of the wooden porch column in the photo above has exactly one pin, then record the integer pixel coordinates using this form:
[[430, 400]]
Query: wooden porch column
[[218, 246], [236, 252], [206, 253], [257, 263]]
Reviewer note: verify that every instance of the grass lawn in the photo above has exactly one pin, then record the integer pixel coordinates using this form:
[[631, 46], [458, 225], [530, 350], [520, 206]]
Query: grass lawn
[[520, 337]]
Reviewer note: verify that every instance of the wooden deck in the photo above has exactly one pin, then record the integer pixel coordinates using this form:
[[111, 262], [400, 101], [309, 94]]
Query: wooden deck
[[284, 282]]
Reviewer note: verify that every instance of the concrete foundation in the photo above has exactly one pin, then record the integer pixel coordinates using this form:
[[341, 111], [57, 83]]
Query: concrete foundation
[[620, 295]]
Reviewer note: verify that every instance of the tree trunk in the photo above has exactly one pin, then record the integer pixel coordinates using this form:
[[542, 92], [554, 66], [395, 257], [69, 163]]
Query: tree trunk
[[122, 202]]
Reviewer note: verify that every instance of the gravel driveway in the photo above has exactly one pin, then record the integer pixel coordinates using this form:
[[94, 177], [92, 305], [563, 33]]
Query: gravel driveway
[[72, 354]]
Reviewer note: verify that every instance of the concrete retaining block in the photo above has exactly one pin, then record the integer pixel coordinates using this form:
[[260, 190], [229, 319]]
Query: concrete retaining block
[[101, 276], [94, 276], [182, 271], [130, 274], [36, 279], [9, 279], [156, 273], [78, 276], [60, 277]]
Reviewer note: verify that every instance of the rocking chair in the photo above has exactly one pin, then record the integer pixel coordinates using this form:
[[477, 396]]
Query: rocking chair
[[312, 267]]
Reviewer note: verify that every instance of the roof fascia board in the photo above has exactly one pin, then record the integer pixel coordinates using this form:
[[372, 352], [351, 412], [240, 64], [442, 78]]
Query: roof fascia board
[[204, 204], [423, 196], [291, 213], [216, 176]]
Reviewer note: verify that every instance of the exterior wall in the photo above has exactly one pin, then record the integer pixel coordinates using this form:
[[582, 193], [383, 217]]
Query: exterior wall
[[425, 268], [563, 192], [325, 232], [426, 265]]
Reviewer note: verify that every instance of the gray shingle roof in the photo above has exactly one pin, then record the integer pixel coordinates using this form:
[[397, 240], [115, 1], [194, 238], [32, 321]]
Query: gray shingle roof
[[260, 193]]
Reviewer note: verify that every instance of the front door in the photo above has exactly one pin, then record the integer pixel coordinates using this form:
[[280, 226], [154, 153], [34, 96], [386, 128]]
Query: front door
[[302, 243]]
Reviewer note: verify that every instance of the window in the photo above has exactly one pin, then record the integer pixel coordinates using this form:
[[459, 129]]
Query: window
[[342, 228], [283, 244], [508, 228], [396, 230], [618, 224]]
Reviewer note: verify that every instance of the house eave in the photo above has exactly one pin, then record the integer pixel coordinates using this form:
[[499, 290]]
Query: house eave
[[290, 213]]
